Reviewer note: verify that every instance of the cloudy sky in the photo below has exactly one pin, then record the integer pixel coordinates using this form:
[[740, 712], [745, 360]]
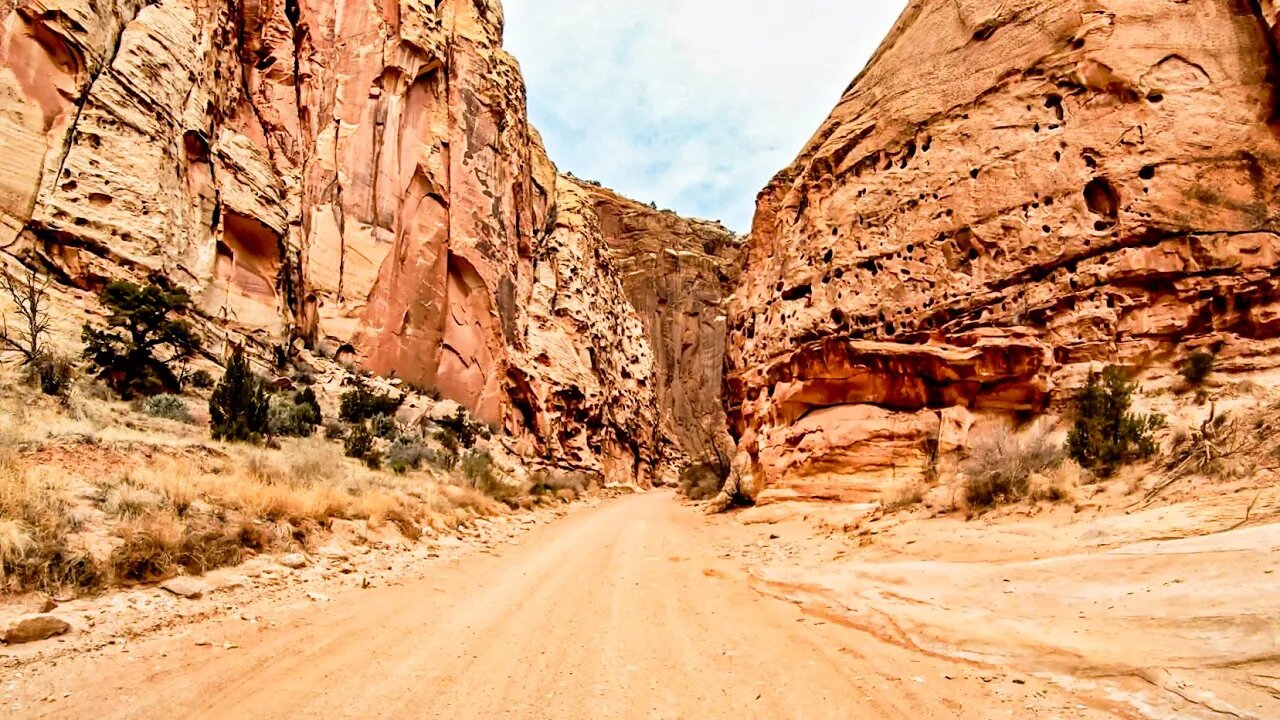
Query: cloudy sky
[[692, 104]]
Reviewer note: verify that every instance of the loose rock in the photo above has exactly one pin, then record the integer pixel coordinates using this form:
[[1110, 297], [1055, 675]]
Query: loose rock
[[35, 628]]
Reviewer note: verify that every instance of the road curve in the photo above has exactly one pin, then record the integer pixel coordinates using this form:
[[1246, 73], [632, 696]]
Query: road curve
[[626, 610]]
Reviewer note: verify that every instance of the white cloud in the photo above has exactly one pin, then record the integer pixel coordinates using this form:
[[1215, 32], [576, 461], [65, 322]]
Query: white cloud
[[693, 104]]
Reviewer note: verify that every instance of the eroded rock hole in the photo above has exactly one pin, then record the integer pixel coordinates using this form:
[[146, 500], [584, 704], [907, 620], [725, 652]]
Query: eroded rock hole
[[1054, 103], [798, 292], [1102, 199]]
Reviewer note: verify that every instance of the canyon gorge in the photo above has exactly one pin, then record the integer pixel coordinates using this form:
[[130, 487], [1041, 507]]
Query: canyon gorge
[[362, 179], [1009, 194], [1010, 197]]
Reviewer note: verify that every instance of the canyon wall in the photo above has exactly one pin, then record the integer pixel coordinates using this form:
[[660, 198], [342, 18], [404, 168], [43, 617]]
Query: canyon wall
[[584, 376], [354, 174], [1010, 194], [677, 273], [358, 177]]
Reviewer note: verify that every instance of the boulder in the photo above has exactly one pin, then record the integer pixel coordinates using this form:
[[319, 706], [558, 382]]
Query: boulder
[[185, 587], [34, 628], [294, 561]]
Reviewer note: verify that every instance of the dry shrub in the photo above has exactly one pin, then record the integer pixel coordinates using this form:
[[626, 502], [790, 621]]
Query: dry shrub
[[1226, 445], [702, 481], [570, 485], [158, 546], [126, 501], [149, 549], [1000, 466], [1059, 484], [210, 546], [904, 497], [263, 469]]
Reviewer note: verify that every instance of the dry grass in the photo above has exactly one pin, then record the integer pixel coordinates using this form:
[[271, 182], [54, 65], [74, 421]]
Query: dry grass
[[163, 499], [564, 486], [1059, 484], [38, 547], [1001, 466], [906, 496]]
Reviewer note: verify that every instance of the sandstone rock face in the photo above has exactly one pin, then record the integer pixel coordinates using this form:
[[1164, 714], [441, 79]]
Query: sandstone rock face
[[358, 176], [677, 274], [585, 379], [1010, 194]]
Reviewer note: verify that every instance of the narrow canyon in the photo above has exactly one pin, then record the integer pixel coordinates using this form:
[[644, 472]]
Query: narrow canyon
[[1012, 196]]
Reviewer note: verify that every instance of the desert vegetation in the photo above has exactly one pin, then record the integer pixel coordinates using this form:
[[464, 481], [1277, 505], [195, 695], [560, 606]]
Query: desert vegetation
[[702, 480], [1005, 466], [107, 492], [121, 478], [1107, 433], [144, 340]]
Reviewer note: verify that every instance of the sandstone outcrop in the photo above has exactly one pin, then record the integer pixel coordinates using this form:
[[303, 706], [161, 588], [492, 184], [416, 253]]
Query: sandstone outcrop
[[1008, 195], [677, 274], [584, 382], [358, 177], [354, 175]]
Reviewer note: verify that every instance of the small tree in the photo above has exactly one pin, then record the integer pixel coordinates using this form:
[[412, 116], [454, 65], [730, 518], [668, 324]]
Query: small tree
[[1106, 434], [238, 408], [359, 442], [30, 294], [1197, 367], [139, 326], [307, 398], [288, 418], [360, 403]]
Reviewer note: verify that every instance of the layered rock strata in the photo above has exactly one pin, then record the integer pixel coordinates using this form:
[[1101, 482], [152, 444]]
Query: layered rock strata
[[678, 274], [359, 177], [1010, 194]]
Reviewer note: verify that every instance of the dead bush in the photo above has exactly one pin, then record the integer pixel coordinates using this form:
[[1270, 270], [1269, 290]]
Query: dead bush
[[209, 547], [560, 484], [1224, 444], [149, 549], [904, 497], [1000, 466], [1058, 484], [702, 481]]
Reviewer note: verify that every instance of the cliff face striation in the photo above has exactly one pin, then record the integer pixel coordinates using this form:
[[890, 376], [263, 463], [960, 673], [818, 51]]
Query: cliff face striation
[[359, 177], [677, 274], [1009, 194]]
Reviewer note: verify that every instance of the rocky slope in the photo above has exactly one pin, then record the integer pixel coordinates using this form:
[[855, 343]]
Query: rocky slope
[[1009, 194], [360, 178]]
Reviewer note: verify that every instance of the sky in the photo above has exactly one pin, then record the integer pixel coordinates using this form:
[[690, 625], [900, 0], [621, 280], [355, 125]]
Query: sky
[[692, 104]]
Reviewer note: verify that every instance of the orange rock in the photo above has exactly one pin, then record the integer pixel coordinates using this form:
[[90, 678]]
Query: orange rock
[[362, 177], [677, 274], [1009, 193]]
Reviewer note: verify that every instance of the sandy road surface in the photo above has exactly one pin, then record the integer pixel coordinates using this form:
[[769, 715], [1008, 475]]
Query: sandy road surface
[[627, 610]]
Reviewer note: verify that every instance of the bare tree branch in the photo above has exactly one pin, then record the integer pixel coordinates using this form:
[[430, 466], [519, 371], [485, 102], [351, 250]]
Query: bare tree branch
[[29, 293]]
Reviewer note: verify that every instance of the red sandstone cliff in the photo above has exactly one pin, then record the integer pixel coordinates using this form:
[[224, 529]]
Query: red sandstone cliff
[[1009, 193], [677, 273], [358, 176]]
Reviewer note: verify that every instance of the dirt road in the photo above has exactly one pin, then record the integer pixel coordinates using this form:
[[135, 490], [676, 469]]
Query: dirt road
[[627, 610]]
